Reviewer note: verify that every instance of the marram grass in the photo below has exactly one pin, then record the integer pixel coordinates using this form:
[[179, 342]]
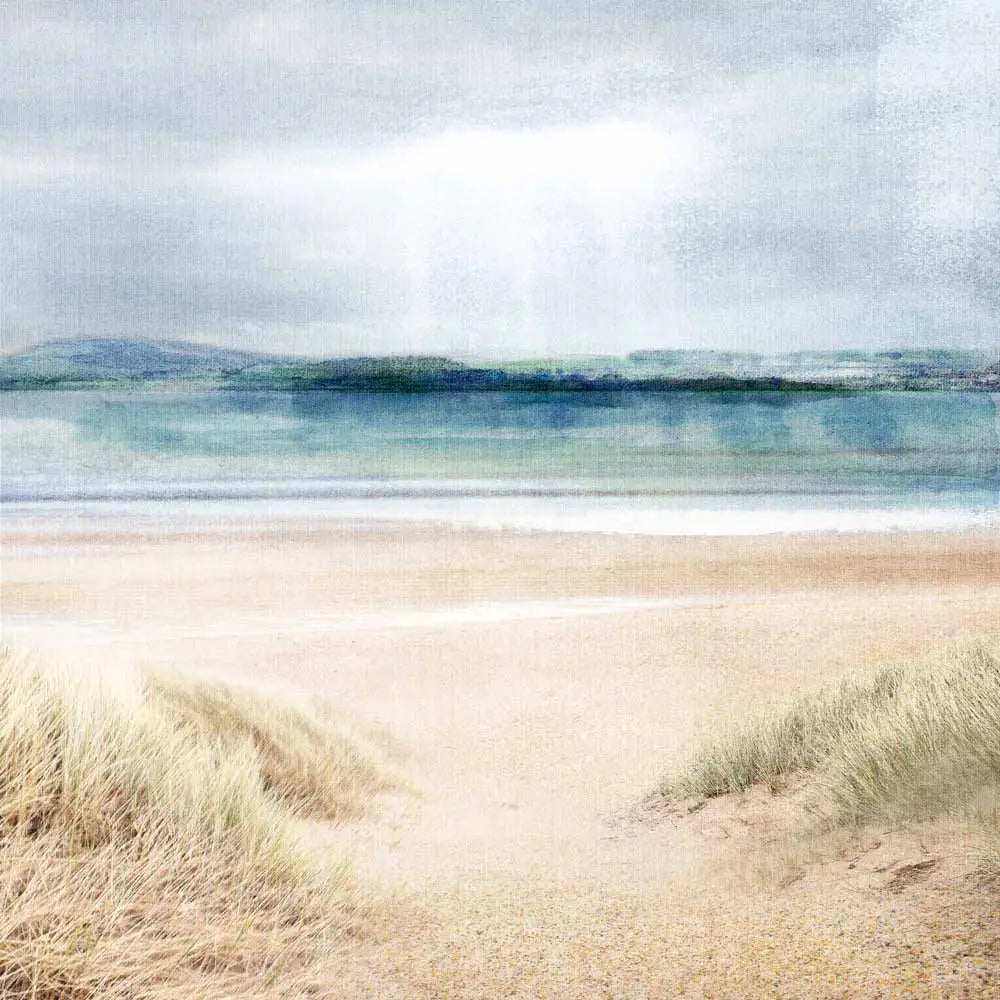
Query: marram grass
[[145, 856], [908, 742], [307, 759]]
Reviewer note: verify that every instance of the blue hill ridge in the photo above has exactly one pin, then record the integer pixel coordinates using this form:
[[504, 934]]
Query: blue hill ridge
[[93, 362]]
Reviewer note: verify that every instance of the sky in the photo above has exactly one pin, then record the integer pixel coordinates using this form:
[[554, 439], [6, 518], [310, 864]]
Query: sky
[[501, 178]]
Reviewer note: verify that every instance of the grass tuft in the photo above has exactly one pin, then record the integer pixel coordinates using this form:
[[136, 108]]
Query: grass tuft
[[906, 742], [307, 759], [139, 857]]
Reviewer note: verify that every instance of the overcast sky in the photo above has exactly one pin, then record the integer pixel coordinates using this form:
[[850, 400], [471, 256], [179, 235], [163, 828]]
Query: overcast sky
[[506, 177]]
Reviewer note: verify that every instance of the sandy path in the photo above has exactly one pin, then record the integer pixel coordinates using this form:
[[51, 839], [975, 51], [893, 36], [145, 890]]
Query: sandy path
[[524, 739]]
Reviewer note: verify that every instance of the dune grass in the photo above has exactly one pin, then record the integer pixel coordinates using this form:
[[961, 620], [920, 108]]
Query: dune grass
[[912, 741], [143, 856], [307, 759]]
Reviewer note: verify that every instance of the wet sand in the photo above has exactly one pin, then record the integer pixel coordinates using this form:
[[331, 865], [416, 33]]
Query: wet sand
[[533, 688]]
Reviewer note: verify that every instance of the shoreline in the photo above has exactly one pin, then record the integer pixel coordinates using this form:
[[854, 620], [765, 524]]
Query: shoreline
[[681, 515], [30, 526]]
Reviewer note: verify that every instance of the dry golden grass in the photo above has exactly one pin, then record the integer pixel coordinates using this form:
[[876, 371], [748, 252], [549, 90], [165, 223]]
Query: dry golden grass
[[307, 758], [910, 742], [140, 857]]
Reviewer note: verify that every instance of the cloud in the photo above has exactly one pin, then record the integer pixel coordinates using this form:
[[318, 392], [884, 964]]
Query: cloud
[[515, 177]]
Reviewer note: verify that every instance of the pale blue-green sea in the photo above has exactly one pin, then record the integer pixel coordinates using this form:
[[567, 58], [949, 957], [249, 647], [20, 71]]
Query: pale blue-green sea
[[681, 462]]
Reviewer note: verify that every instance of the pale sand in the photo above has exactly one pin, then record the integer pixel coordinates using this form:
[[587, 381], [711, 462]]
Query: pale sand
[[515, 861]]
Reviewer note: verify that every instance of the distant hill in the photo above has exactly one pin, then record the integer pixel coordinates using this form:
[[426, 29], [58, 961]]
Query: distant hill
[[433, 374], [82, 363], [65, 362], [909, 365]]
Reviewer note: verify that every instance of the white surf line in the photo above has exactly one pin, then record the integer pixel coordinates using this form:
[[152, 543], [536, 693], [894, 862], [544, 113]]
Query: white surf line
[[99, 631]]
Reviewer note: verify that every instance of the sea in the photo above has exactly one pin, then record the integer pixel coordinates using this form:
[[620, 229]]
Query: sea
[[684, 462]]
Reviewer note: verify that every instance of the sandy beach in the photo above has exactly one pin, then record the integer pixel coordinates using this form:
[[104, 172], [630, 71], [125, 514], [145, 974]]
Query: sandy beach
[[530, 689]]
